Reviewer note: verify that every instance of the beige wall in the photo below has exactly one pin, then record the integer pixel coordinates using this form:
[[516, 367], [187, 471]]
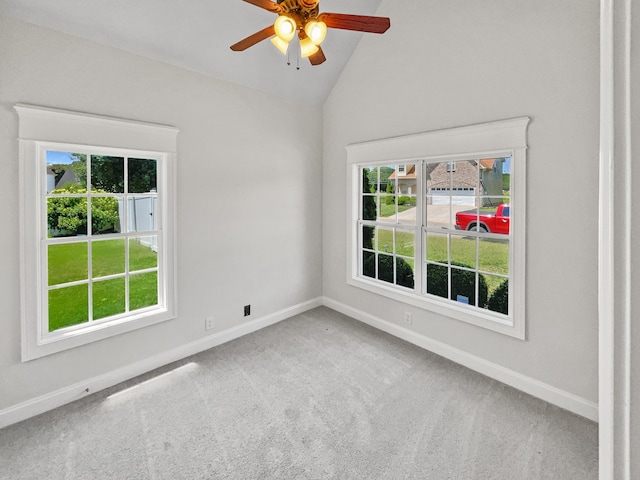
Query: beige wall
[[445, 64], [249, 209]]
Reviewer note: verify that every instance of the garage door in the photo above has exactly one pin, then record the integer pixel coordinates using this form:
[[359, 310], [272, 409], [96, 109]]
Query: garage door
[[458, 196]]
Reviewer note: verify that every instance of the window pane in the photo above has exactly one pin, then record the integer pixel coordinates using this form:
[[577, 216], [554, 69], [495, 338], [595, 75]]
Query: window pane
[[466, 219], [68, 306], [66, 216], [438, 280], [108, 298], [437, 247], [368, 237], [385, 268], [385, 240], [405, 243], [374, 179], [143, 175], [107, 258], [142, 213], [499, 294], [387, 208], [463, 251], [66, 172], [105, 215], [369, 264], [463, 287], [493, 255], [107, 174], [491, 176], [404, 272], [143, 290], [369, 180], [67, 263], [387, 179], [407, 210], [142, 253], [369, 207]]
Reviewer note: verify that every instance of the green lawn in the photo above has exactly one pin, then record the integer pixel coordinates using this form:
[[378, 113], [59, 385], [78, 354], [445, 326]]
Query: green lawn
[[388, 210], [493, 254], [69, 263]]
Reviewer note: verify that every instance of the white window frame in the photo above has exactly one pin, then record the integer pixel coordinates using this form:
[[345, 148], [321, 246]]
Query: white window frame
[[506, 138], [42, 129]]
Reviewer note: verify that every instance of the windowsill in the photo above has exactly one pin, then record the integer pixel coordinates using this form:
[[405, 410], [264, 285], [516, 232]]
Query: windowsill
[[70, 338]]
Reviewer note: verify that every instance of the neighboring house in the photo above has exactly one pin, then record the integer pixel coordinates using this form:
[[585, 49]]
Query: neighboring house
[[406, 175], [67, 177], [459, 181]]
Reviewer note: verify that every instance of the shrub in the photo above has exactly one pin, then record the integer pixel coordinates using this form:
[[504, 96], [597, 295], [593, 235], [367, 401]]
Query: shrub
[[406, 201], [404, 271], [68, 215], [499, 300], [463, 282]]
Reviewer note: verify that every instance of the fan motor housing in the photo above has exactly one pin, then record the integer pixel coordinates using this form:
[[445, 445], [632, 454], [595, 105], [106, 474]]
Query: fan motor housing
[[304, 8]]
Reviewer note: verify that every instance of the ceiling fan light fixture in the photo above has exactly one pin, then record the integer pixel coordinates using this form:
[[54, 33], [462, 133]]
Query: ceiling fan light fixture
[[316, 31], [285, 28], [307, 47], [280, 44]]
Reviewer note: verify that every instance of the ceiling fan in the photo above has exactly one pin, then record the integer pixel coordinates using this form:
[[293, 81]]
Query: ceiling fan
[[303, 17]]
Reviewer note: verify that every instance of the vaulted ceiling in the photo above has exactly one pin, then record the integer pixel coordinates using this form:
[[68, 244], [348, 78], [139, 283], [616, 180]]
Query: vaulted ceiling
[[196, 35]]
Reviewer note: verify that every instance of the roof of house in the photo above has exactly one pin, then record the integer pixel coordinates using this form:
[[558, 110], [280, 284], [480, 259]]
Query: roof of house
[[410, 173]]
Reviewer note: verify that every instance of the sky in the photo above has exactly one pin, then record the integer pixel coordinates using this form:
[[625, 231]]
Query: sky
[[58, 157]]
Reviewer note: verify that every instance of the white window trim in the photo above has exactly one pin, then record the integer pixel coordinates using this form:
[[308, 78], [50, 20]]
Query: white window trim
[[40, 127], [476, 141]]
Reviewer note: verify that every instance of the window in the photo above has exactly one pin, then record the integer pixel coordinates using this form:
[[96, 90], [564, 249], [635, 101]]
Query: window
[[98, 248], [453, 247]]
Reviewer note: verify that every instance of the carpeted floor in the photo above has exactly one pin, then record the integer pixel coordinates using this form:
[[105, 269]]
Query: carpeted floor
[[314, 397]]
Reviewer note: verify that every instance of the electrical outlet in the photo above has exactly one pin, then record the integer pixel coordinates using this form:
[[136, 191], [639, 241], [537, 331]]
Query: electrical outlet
[[247, 310], [408, 317], [208, 323]]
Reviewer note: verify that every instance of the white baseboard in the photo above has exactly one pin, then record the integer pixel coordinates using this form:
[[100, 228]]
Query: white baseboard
[[536, 388], [44, 403]]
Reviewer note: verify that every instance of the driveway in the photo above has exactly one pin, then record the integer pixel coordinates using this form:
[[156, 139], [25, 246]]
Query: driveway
[[438, 215]]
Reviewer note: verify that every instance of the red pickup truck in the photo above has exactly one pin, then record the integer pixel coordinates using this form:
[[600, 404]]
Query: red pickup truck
[[493, 222]]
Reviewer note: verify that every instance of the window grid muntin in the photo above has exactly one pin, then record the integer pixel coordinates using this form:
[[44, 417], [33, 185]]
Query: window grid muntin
[[124, 234]]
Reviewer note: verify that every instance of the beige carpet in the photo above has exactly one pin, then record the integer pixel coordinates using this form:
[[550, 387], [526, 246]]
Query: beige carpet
[[314, 397]]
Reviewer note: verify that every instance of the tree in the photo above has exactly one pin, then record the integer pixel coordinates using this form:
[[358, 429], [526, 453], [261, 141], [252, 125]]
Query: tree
[[67, 216], [107, 173]]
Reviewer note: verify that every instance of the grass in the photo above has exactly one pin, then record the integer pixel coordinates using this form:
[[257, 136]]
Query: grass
[[493, 255], [69, 263], [389, 210]]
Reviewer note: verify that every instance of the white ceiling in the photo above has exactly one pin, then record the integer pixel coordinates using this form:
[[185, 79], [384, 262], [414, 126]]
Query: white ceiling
[[197, 34]]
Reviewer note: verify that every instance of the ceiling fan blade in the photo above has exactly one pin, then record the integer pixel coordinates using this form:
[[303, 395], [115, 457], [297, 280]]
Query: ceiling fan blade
[[359, 23], [266, 4], [251, 40], [318, 57]]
